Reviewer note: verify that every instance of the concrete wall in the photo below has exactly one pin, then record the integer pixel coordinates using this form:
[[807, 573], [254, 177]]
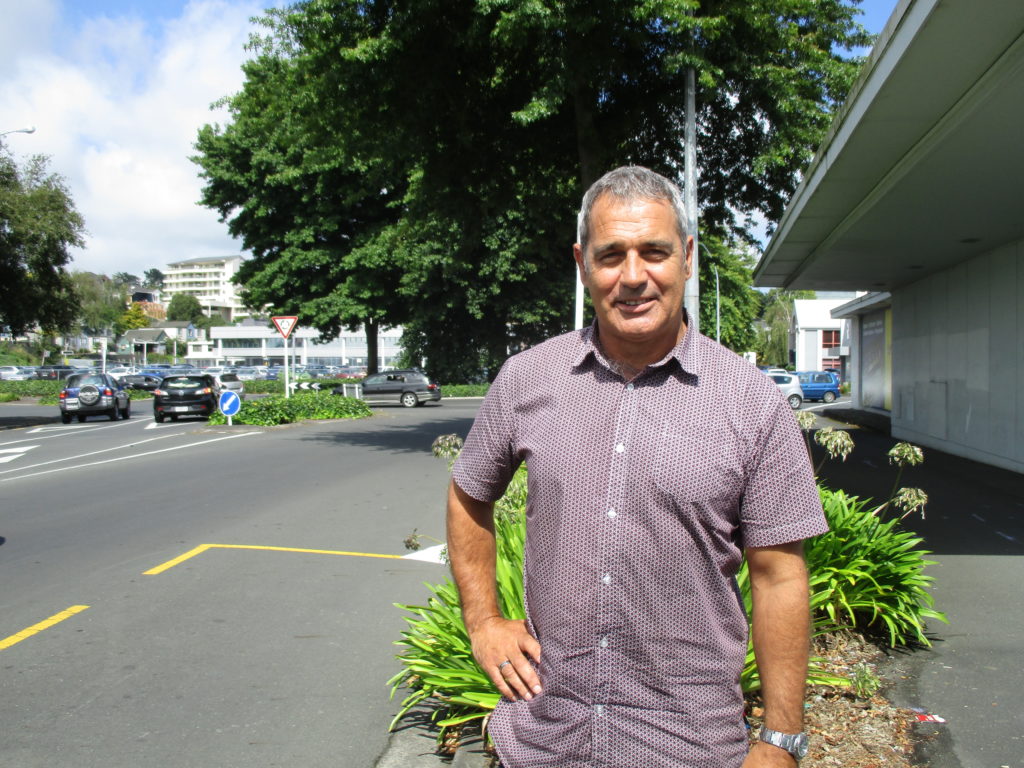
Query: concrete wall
[[958, 359]]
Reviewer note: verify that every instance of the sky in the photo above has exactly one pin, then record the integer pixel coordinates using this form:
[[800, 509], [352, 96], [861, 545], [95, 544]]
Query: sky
[[117, 91]]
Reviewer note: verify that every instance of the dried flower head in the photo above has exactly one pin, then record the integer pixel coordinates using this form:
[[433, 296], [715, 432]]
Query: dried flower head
[[412, 541], [447, 446], [805, 419], [906, 455], [910, 500], [837, 442]]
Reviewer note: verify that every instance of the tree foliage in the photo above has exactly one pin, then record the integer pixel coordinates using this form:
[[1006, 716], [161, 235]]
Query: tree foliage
[[738, 303], [101, 301], [38, 226], [153, 278], [182, 306], [125, 280], [130, 319], [420, 162], [772, 342]]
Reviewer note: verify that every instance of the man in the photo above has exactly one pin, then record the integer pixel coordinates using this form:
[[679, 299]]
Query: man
[[656, 459]]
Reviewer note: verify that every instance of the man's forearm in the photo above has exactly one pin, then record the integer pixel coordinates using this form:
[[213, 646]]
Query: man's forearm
[[471, 552], [781, 632]]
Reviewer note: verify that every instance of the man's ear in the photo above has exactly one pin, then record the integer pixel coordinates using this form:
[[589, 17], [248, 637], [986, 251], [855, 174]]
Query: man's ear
[[688, 259], [577, 253]]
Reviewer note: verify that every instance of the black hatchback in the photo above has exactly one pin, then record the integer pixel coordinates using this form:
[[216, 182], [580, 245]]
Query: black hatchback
[[185, 395]]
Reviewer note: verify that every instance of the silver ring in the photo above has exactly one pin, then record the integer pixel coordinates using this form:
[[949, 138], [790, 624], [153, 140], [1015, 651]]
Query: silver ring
[[502, 665]]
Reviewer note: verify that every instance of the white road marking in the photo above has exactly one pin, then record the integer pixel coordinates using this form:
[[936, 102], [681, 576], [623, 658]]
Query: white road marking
[[65, 431], [128, 458], [154, 425], [84, 455], [14, 453]]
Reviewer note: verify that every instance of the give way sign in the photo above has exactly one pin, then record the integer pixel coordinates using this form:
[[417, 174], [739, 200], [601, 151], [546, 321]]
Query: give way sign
[[285, 324]]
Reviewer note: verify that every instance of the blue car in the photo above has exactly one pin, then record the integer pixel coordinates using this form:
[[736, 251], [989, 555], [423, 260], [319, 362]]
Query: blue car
[[819, 385]]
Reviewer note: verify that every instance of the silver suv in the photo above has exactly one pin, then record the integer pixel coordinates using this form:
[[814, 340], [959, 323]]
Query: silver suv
[[406, 386]]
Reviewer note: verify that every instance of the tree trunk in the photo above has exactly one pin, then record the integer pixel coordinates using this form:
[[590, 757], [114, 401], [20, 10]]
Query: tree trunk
[[371, 326]]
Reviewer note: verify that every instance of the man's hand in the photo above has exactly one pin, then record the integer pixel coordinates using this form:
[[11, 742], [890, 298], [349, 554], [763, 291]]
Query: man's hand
[[501, 647], [763, 755]]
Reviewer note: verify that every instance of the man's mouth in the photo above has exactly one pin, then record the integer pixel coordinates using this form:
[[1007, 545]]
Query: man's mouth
[[633, 304]]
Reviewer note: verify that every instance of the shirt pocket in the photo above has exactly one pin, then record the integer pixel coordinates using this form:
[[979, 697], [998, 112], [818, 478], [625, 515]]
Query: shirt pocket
[[697, 467]]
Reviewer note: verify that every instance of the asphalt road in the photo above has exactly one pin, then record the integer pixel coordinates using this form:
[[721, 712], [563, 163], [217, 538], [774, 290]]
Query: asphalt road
[[233, 656]]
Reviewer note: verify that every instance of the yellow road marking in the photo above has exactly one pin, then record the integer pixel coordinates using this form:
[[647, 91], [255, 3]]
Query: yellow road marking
[[37, 628], [203, 547]]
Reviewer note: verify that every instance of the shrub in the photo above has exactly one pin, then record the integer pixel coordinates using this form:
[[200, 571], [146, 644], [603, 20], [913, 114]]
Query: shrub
[[31, 388], [869, 571], [277, 409], [8, 397], [464, 390], [438, 663]]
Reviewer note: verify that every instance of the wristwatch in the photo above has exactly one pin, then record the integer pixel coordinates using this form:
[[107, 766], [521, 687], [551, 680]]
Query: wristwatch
[[794, 743]]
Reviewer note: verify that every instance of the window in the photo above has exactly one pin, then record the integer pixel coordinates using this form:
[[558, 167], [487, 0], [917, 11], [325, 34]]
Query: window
[[829, 339]]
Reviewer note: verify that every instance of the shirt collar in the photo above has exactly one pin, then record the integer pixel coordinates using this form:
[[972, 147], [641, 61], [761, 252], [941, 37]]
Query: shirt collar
[[684, 353]]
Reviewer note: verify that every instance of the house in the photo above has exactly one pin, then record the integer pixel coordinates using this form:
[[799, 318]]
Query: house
[[914, 196]]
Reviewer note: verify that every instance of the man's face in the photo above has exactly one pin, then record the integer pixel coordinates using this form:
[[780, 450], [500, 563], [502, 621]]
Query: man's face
[[636, 269]]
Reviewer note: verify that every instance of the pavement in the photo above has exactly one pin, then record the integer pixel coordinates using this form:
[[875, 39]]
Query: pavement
[[971, 676]]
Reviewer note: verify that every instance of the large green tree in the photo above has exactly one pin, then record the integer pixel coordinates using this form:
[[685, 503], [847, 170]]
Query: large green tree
[[731, 304], [38, 226], [468, 130]]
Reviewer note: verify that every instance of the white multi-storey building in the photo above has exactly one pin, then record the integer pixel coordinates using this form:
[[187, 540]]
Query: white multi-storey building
[[256, 344], [209, 280]]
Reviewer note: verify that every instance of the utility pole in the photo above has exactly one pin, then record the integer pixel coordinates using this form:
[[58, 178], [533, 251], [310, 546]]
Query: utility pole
[[691, 296]]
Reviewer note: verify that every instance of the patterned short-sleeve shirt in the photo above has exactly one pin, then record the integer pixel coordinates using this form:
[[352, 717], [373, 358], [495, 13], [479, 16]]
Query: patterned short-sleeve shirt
[[642, 496]]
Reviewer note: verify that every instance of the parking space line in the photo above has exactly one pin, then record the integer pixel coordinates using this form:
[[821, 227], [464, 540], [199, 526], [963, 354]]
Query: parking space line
[[203, 547], [35, 629], [80, 455]]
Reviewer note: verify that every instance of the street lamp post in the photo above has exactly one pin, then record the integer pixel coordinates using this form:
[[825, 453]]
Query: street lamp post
[[28, 129]]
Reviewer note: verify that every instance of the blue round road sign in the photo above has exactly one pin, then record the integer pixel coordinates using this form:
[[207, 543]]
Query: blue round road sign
[[229, 403]]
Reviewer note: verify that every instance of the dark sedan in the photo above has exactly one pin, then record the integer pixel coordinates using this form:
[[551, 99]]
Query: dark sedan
[[185, 395], [146, 379]]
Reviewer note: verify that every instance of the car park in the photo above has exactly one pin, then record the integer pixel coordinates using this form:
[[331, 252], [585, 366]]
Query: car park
[[91, 394], [406, 386], [185, 395], [790, 386], [819, 385]]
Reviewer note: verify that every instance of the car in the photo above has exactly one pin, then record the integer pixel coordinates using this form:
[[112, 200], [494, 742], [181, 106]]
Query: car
[[819, 385], [181, 394], [404, 386], [247, 374], [17, 373], [89, 394], [229, 381], [54, 372], [790, 386], [147, 379]]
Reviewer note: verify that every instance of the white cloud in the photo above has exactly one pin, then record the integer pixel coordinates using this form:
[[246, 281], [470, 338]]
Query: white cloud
[[118, 103]]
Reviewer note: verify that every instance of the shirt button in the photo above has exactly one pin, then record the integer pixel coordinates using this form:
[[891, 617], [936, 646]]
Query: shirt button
[[630, 386], [603, 642], [599, 709], [606, 578], [620, 447], [612, 513]]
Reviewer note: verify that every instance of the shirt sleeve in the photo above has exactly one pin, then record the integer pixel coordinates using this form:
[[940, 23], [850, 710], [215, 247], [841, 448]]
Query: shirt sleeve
[[781, 503], [487, 461]]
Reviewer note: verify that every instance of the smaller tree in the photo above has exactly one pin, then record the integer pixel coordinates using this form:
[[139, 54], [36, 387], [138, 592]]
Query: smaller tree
[[772, 343], [132, 318], [184, 307], [737, 302], [153, 278], [125, 280]]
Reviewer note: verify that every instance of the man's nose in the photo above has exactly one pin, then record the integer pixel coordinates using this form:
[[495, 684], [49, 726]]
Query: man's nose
[[634, 270]]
